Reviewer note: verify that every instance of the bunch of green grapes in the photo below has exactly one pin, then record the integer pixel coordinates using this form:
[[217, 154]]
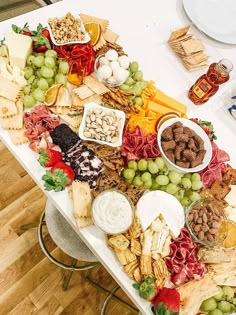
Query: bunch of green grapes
[[135, 83], [154, 175], [221, 304], [42, 71]]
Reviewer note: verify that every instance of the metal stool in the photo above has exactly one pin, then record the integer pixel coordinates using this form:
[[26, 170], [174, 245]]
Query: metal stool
[[66, 239], [112, 295]]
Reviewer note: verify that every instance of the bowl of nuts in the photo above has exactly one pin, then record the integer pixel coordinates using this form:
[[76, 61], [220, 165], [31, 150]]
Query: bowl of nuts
[[102, 125], [205, 220]]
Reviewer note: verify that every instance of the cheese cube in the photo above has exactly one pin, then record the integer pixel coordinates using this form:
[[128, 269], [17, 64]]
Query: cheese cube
[[19, 48]]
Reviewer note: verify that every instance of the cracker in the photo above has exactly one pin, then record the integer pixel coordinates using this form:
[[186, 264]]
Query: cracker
[[18, 137], [192, 46], [73, 121], [161, 272], [7, 108], [125, 256], [196, 58], [94, 98], [96, 86], [63, 98], [89, 18], [131, 267], [9, 89], [180, 39], [101, 43], [146, 265], [136, 247], [135, 229], [110, 36], [181, 32], [82, 199], [137, 275], [83, 91], [16, 121], [83, 222], [119, 242]]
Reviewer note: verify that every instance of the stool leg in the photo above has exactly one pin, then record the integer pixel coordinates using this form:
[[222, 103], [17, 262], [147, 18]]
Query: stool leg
[[68, 275]]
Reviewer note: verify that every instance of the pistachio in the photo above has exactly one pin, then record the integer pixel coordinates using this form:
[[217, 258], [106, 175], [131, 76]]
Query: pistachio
[[93, 117], [87, 134]]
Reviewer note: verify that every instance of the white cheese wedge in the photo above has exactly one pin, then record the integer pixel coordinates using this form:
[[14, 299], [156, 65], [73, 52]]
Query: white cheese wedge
[[154, 203], [231, 196], [19, 48]]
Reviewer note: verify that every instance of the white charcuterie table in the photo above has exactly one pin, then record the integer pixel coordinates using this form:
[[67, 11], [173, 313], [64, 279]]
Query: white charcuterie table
[[144, 29]]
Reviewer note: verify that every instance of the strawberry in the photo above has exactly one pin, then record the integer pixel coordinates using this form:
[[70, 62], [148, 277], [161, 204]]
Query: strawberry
[[148, 289], [49, 157], [60, 176], [167, 302]]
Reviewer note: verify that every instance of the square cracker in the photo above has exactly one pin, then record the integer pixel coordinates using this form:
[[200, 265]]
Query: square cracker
[[83, 91], [7, 108], [9, 89], [120, 242], [110, 36], [18, 137], [96, 86], [82, 199], [102, 42], [89, 18], [16, 121], [192, 46], [181, 32]]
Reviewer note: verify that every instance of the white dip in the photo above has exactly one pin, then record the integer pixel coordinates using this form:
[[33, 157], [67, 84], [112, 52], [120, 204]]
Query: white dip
[[112, 212]]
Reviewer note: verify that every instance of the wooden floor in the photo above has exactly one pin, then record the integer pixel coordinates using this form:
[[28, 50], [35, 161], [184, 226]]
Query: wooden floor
[[29, 282]]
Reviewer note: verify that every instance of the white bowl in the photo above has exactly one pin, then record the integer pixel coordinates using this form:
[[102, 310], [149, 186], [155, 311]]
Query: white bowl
[[200, 132], [118, 113]]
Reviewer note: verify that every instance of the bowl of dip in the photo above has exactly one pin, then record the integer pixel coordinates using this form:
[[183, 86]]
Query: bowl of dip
[[112, 211]]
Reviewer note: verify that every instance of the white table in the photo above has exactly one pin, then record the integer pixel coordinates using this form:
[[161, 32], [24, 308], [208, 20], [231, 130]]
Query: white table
[[144, 29]]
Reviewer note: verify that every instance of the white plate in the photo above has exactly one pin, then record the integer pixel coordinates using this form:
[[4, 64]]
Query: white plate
[[86, 40], [216, 18]]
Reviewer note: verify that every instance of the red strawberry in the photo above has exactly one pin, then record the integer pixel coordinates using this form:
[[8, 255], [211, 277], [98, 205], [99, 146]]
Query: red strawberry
[[60, 176], [167, 302], [148, 289], [49, 157]]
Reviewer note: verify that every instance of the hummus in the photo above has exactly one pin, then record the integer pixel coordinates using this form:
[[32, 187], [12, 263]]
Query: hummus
[[112, 212]]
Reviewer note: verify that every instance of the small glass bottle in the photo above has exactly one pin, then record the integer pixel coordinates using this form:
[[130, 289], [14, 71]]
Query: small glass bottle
[[208, 84]]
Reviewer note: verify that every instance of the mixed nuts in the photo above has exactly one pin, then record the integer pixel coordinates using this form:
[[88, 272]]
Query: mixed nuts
[[102, 125]]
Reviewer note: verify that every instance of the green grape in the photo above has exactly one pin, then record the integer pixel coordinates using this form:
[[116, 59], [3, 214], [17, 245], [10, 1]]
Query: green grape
[[194, 196], [128, 173], [186, 183], [162, 180], [131, 97], [63, 67], [137, 181], [154, 186], [138, 101], [234, 301], [174, 177], [224, 306], [162, 188], [164, 171], [172, 188], [50, 81], [146, 176], [136, 90], [152, 167], [195, 177], [51, 53], [39, 95], [215, 312], [41, 54], [47, 72], [185, 201], [142, 165], [219, 295], [208, 305], [196, 185], [160, 163], [133, 165], [130, 81], [26, 90], [30, 60], [228, 293], [35, 83], [148, 184], [38, 73], [129, 181], [49, 62], [39, 61], [124, 87], [31, 79], [188, 175], [29, 101], [43, 84], [179, 194], [143, 84], [133, 66], [28, 72], [138, 75], [60, 78]]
